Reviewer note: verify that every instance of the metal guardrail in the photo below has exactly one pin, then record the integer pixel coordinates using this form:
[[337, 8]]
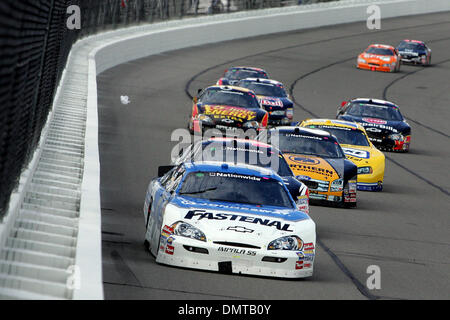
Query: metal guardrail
[[34, 44]]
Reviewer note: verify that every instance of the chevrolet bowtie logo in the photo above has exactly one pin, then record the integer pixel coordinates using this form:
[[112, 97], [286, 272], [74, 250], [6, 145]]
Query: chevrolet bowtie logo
[[240, 229]]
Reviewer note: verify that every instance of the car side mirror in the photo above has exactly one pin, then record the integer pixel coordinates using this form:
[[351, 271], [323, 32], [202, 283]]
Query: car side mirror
[[162, 170]]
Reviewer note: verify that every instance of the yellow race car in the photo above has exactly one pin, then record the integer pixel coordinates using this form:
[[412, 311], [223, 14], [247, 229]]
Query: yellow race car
[[357, 147]]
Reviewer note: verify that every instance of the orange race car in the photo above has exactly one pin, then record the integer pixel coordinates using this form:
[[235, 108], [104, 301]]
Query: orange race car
[[379, 57]]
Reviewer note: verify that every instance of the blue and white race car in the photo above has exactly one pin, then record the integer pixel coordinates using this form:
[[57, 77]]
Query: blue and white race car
[[228, 218]]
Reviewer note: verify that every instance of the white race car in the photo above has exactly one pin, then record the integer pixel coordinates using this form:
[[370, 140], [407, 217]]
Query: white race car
[[228, 218]]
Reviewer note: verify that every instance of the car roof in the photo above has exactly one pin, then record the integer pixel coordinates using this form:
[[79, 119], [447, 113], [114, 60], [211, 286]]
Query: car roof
[[384, 46], [262, 80], [334, 123], [230, 88], [375, 102], [247, 68], [303, 131], [255, 143], [413, 41], [225, 167]]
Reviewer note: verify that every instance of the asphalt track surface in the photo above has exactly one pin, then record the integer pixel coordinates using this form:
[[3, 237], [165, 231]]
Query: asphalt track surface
[[405, 230]]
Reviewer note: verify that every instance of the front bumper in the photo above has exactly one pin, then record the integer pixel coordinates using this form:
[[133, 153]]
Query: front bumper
[[189, 253], [374, 67], [372, 181], [414, 60], [370, 186], [279, 122], [392, 145]]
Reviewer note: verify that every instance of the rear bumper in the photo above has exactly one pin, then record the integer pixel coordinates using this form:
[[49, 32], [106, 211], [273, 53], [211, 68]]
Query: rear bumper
[[188, 253]]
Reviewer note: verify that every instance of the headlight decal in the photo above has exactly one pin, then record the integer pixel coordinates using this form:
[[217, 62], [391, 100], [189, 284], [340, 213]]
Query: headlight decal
[[337, 185], [286, 243], [365, 170], [186, 230]]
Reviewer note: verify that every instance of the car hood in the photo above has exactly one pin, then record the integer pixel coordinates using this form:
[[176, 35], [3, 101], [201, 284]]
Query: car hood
[[233, 222], [230, 112], [324, 169], [369, 57]]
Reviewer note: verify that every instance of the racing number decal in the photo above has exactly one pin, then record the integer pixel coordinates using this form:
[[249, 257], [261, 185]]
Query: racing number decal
[[356, 153]]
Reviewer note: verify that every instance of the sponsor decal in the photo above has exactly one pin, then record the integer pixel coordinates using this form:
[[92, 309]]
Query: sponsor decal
[[380, 126], [305, 256], [233, 175], [234, 113], [311, 166], [244, 149], [271, 102], [309, 257], [202, 214], [298, 265], [166, 231], [170, 240], [356, 153], [308, 247], [303, 136], [240, 229], [170, 249], [304, 160], [374, 120], [237, 251], [373, 129]]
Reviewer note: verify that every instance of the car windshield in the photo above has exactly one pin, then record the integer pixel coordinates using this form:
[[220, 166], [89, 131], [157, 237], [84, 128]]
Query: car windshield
[[236, 188], [230, 98], [411, 46], [264, 89], [309, 145], [345, 135], [380, 51], [240, 153], [374, 111], [239, 74]]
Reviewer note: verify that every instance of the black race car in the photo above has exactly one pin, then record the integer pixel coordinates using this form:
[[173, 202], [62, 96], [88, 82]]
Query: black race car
[[384, 124], [233, 110], [414, 51], [273, 98], [250, 152], [232, 75]]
